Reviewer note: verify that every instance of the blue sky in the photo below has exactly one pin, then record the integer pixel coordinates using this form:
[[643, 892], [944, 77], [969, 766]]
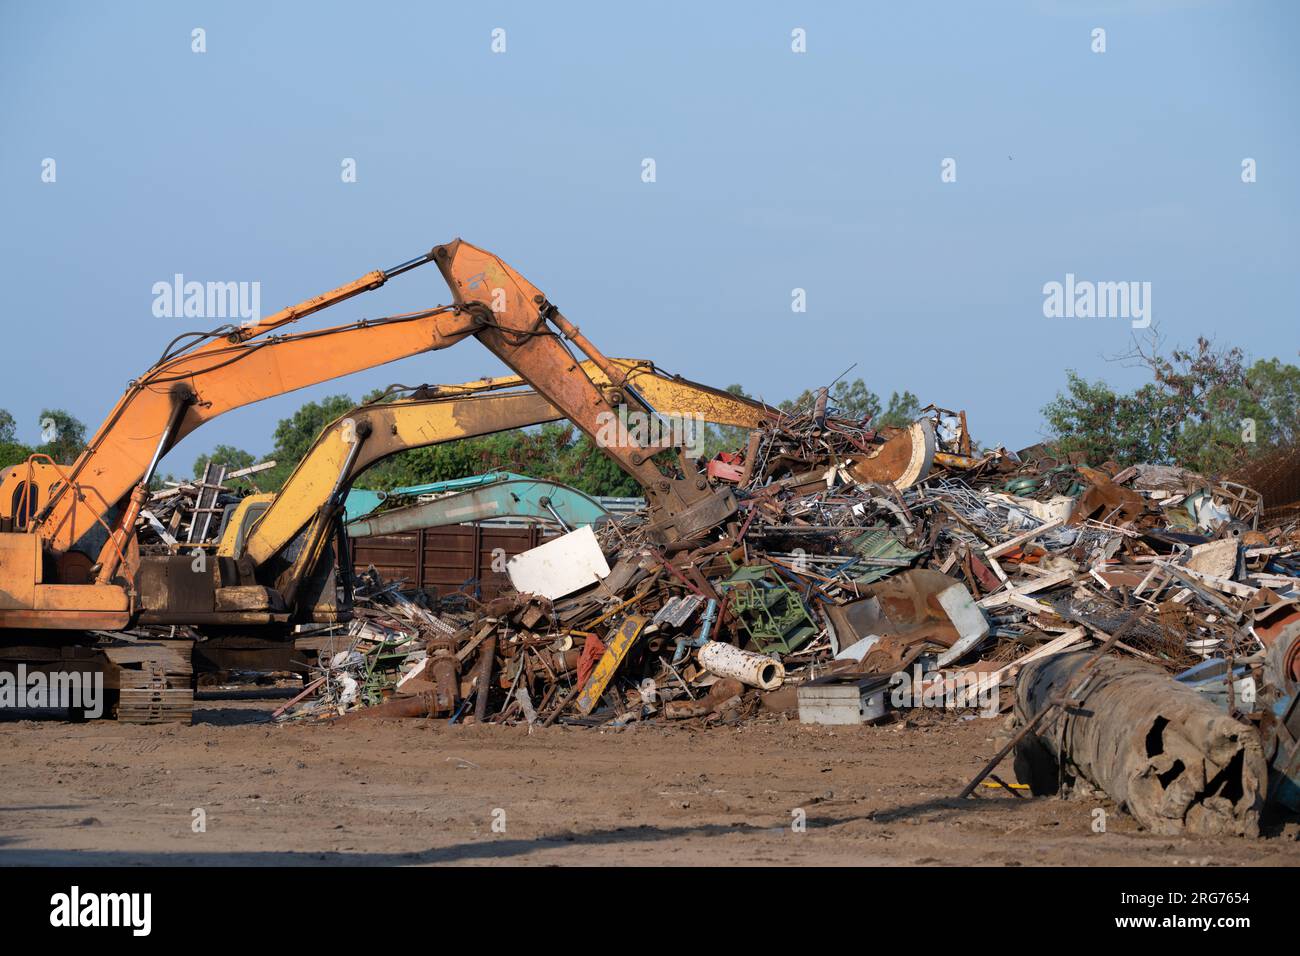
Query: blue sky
[[775, 171]]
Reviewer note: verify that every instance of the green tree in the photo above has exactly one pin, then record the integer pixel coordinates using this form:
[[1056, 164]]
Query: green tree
[[63, 436], [550, 451], [854, 400], [847, 400], [234, 459], [12, 451], [903, 409], [1194, 412], [587, 468], [296, 434], [1274, 402], [1094, 419]]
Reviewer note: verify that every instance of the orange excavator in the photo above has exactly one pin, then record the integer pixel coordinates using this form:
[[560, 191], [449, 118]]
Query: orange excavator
[[69, 558]]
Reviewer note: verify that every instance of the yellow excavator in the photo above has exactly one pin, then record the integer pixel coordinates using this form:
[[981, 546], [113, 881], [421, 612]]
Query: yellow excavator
[[280, 539], [287, 544]]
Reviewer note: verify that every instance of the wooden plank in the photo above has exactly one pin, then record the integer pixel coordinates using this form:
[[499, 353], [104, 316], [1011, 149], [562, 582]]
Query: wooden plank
[[463, 654], [1018, 540], [1029, 604], [1048, 580], [1217, 583], [1055, 646], [251, 469]]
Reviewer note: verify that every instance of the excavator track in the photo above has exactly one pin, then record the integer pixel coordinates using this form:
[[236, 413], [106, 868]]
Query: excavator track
[[143, 681], [155, 681]]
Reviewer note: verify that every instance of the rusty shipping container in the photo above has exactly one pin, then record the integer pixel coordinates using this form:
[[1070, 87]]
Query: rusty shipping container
[[448, 559]]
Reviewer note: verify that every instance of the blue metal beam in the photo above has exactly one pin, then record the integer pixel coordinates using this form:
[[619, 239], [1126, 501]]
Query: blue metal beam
[[507, 497]]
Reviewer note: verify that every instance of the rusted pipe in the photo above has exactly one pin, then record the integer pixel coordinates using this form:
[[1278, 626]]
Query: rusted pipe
[[486, 659], [445, 673], [421, 705], [719, 694], [1164, 752]]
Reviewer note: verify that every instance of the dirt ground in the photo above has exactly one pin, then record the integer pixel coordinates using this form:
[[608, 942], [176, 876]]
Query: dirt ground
[[421, 792]]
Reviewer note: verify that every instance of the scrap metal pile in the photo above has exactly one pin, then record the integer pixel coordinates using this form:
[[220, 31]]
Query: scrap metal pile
[[380, 663], [183, 515], [868, 571]]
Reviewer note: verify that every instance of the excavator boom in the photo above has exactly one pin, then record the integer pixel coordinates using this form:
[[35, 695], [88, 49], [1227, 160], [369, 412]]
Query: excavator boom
[[522, 328], [197, 380], [463, 411]]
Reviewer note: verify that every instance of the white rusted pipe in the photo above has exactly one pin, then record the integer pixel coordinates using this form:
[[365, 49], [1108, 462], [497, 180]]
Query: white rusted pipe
[[756, 670]]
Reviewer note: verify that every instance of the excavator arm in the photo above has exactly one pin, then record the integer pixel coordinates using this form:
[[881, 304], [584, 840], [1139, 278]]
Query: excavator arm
[[214, 373], [522, 328], [271, 560], [203, 376], [281, 543], [506, 496], [371, 433]]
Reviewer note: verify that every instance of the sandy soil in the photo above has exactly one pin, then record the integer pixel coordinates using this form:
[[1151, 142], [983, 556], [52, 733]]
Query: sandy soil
[[420, 792]]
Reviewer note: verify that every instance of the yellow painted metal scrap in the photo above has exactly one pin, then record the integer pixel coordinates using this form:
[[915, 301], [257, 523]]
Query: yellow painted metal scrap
[[616, 649]]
